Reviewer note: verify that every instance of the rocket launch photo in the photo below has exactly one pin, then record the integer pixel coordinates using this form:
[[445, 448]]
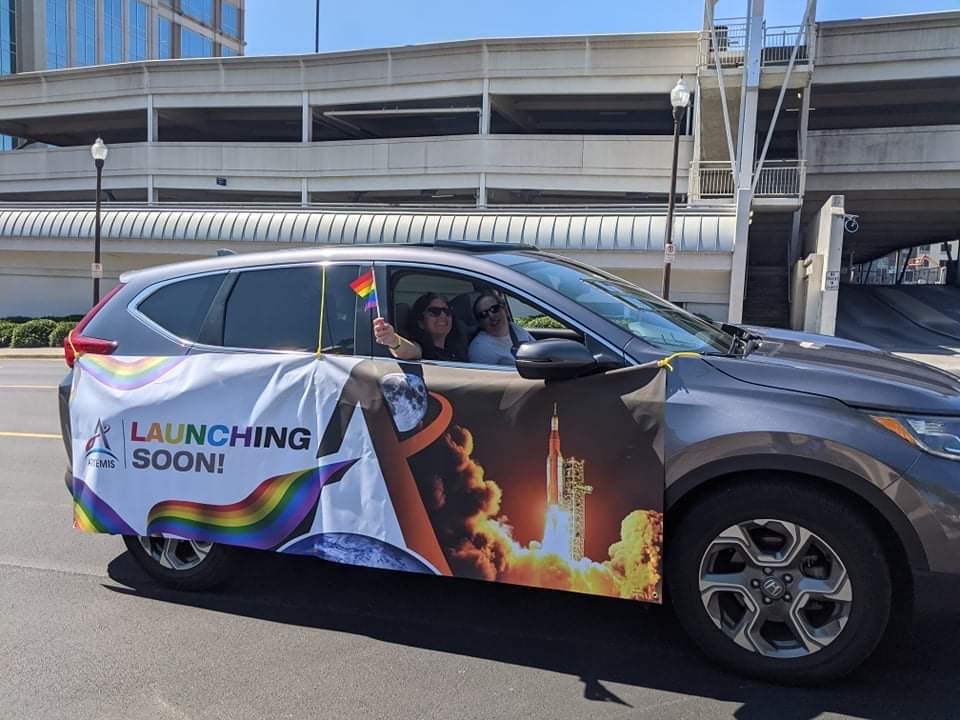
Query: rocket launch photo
[[564, 525], [510, 502]]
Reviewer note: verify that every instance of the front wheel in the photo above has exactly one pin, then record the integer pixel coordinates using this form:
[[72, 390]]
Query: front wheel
[[780, 581], [182, 564]]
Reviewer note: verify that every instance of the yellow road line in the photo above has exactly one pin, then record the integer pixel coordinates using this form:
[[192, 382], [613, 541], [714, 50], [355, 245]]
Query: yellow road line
[[29, 387], [43, 436]]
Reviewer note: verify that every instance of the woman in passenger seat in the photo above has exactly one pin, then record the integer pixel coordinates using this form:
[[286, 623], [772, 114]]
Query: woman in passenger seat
[[498, 339], [432, 330]]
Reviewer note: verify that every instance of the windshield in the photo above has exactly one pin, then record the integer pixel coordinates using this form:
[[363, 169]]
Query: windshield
[[641, 313]]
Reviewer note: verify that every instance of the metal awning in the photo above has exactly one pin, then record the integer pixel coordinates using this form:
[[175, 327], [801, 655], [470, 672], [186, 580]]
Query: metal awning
[[594, 230]]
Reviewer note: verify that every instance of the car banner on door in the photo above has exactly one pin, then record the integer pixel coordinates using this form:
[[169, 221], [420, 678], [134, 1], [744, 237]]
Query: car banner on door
[[417, 467]]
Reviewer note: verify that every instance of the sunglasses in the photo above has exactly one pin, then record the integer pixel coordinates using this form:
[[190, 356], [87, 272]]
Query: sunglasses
[[492, 310], [438, 311]]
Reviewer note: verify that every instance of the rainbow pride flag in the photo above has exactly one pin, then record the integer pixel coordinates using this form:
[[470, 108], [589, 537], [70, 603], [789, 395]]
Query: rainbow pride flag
[[366, 287], [263, 520]]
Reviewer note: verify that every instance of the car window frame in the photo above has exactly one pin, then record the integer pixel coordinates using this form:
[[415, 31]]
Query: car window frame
[[218, 307], [498, 283], [133, 306]]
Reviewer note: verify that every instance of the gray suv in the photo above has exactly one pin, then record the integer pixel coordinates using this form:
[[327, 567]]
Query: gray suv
[[807, 482]]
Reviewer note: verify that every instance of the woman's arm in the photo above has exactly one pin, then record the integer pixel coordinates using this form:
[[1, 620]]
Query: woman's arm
[[398, 346]]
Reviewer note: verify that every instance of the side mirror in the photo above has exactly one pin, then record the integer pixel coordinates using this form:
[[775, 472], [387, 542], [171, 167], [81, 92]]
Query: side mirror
[[556, 359]]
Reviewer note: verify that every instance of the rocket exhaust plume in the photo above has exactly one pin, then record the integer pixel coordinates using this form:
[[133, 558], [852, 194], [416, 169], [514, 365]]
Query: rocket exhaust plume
[[556, 532]]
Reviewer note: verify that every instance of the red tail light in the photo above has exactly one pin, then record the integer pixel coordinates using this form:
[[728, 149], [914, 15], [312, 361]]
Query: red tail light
[[76, 343]]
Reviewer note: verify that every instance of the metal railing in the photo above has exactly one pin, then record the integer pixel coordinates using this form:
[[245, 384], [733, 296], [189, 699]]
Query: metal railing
[[780, 178], [731, 45], [889, 276], [711, 180], [779, 41], [777, 179]]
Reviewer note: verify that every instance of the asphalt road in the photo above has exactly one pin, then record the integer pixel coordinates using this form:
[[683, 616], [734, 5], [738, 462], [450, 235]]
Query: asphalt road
[[84, 634]]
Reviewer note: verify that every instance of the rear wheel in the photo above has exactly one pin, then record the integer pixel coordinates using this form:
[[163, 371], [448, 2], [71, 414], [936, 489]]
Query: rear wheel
[[182, 564], [780, 581]]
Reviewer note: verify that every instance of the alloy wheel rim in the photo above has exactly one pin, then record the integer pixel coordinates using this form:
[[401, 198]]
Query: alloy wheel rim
[[174, 554], [775, 588]]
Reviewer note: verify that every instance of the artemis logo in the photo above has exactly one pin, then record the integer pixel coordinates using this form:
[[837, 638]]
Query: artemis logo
[[98, 452]]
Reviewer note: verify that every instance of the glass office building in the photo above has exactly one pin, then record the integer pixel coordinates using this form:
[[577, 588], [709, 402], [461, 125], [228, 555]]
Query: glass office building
[[69, 33], [51, 34], [8, 50]]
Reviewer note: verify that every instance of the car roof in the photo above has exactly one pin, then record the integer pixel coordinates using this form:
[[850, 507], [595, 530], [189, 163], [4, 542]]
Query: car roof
[[450, 252]]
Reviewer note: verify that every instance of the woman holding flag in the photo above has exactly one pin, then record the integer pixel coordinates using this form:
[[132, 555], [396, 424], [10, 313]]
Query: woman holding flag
[[431, 326], [432, 331]]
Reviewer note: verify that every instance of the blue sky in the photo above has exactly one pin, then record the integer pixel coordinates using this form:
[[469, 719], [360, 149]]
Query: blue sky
[[287, 26]]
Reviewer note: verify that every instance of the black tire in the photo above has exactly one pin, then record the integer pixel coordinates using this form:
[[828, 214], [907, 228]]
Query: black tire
[[833, 521], [213, 570]]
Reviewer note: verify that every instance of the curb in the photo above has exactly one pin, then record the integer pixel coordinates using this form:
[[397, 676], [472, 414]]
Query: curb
[[25, 354]]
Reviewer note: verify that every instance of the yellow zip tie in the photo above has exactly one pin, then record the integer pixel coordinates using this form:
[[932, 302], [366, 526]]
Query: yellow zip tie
[[323, 310], [666, 362], [72, 347]]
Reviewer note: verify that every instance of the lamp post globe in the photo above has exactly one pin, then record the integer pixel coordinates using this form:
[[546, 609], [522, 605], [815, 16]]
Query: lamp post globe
[[680, 95], [679, 101], [99, 152]]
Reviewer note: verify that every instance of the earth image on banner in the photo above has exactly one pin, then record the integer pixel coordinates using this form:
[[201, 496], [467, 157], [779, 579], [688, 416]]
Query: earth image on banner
[[356, 549]]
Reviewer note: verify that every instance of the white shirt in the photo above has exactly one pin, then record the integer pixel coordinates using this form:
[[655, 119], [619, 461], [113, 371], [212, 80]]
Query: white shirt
[[487, 349]]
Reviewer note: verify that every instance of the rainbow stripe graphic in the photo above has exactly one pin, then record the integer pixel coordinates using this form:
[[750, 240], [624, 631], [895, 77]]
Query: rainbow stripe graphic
[[263, 520], [91, 514], [127, 374]]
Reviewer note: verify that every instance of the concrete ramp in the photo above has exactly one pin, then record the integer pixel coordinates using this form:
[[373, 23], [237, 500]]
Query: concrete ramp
[[923, 309], [945, 298], [896, 319]]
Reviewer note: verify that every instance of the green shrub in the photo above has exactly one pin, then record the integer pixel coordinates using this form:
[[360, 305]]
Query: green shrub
[[33, 333], [6, 332], [540, 321], [59, 332]]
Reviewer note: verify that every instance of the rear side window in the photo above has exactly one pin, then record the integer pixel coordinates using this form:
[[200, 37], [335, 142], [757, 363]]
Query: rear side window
[[180, 307], [279, 309]]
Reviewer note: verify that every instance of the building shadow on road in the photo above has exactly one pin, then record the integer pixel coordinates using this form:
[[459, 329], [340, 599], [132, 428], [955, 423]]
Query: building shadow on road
[[598, 640]]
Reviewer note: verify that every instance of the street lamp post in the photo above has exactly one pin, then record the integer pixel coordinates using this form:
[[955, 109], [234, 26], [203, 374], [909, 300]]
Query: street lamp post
[[99, 152], [679, 99]]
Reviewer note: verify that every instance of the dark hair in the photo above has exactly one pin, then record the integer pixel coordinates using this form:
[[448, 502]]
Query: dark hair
[[453, 341], [485, 293]]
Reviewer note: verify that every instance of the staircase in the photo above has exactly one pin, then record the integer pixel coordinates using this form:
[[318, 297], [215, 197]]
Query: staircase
[[766, 298], [765, 301]]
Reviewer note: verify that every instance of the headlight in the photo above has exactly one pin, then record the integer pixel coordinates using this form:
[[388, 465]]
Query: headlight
[[938, 436]]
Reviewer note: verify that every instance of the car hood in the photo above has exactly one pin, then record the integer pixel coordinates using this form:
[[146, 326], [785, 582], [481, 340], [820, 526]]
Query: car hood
[[859, 377]]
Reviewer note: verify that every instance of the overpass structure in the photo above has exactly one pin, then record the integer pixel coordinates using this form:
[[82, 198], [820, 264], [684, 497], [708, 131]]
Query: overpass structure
[[792, 130]]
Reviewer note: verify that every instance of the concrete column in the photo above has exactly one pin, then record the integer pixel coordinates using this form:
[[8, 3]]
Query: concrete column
[[485, 108], [306, 131], [812, 273], [482, 191], [151, 120], [825, 241], [151, 193], [795, 240], [738, 267], [304, 192], [746, 144]]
